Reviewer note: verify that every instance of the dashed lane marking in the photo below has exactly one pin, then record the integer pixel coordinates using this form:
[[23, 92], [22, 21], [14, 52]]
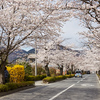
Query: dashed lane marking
[[66, 89]]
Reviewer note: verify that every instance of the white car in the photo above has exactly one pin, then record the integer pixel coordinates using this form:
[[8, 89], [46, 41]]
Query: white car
[[78, 73]]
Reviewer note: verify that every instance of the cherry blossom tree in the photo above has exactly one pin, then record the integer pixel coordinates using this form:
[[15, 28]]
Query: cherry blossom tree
[[71, 60], [88, 11], [22, 20], [54, 53], [46, 53], [91, 19], [89, 8], [63, 58], [59, 60], [90, 60]]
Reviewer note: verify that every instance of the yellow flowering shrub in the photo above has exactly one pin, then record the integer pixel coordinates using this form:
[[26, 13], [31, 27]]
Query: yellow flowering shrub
[[17, 73]]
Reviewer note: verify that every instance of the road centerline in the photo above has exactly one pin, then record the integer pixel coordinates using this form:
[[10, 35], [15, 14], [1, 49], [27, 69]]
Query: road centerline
[[66, 89], [61, 92]]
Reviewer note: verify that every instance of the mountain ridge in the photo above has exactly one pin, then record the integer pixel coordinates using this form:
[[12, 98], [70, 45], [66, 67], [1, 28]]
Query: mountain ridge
[[20, 53]]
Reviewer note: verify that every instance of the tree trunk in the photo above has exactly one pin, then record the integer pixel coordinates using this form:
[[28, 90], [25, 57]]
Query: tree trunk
[[47, 70], [61, 70], [2, 77], [99, 72], [71, 68]]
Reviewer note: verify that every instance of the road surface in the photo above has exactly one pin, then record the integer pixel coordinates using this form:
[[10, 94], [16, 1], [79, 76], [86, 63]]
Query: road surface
[[86, 88]]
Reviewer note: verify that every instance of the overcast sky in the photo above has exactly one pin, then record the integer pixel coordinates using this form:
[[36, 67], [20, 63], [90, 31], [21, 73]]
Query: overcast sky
[[71, 29]]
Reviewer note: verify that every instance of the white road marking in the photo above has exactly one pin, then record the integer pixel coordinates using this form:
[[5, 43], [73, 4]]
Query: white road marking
[[81, 79], [66, 89], [87, 85], [61, 92]]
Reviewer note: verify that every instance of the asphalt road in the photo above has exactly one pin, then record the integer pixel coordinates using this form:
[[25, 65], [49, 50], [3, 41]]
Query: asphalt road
[[86, 88]]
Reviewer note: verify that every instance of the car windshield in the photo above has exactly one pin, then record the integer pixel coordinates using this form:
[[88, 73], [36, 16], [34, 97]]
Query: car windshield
[[78, 71]]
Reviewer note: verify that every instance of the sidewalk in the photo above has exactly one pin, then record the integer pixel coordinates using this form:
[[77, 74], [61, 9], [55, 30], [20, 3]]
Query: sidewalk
[[40, 83]]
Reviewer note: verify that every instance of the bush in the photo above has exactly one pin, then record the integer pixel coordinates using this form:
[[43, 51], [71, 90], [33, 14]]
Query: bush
[[49, 79], [11, 86], [29, 78], [70, 75], [52, 71], [60, 77], [40, 70], [3, 88], [17, 73], [56, 78], [39, 77], [34, 78], [29, 83], [69, 72], [27, 67], [98, 76], [53, 79]]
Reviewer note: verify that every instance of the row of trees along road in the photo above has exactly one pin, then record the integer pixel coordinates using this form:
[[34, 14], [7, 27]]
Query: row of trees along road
[[53, 53], [21, 20]]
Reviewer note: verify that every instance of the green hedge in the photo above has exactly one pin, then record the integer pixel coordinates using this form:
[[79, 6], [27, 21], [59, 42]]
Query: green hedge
[[34, 78], [56, 78], [70, 75], [11, 86], [98, 76], [3, 88]]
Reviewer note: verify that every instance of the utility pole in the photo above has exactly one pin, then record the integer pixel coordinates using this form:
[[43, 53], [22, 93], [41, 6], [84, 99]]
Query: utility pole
[[36, 56], [36, 37]]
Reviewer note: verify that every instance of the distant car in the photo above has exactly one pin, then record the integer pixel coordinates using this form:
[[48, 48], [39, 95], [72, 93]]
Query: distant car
[[78, 74], [88, 72]]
